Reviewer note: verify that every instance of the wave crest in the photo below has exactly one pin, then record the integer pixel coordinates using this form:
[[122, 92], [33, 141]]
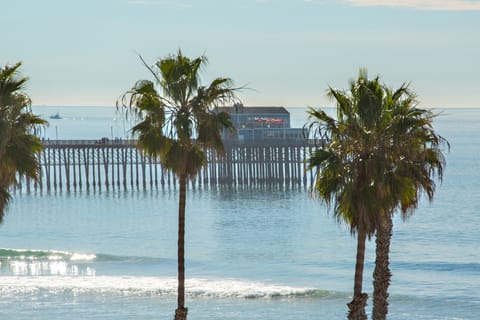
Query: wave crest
[[154, 286]]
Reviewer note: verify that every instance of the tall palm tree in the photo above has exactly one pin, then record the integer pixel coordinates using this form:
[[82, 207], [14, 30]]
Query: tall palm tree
[[381, 154], [344, 167], [19, 145], [178, 122], [412, 160]]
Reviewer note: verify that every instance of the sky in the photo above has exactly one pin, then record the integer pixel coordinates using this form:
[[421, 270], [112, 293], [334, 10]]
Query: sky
[[285, 52]]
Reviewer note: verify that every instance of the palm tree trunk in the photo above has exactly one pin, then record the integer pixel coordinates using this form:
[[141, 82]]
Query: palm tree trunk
[[4, 197], [382, 274], [357, 305], [181, 312]]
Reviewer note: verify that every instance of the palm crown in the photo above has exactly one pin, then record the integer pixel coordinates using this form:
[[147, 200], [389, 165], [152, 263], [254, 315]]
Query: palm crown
[[381, 152], [19, 145], [181, 121]]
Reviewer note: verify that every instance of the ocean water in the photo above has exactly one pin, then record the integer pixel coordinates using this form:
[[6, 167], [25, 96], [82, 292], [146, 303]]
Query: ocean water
[[252, 253]]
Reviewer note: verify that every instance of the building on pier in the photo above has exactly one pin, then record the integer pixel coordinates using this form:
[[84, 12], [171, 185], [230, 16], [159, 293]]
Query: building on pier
[[261, 124]]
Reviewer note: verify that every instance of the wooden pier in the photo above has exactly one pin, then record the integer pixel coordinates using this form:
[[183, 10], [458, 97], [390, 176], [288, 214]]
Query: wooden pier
[[118, 164]]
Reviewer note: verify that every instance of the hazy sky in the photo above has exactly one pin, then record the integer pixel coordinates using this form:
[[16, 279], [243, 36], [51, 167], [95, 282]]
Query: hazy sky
[[287, 51]]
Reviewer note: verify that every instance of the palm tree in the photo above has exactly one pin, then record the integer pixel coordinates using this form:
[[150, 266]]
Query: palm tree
[[412, 159], [178, 124], [381, 154], [19, 145], [344, 167]]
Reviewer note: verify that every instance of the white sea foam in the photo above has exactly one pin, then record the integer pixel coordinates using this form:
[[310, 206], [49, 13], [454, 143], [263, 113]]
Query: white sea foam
[[129, 285], [82, 257]]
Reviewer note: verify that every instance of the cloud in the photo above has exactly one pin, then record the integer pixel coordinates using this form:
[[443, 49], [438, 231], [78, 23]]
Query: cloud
[[162, 3], [432, 5]]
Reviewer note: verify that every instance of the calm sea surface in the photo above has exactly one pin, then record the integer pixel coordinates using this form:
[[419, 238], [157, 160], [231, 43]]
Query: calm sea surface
[[252, 253]]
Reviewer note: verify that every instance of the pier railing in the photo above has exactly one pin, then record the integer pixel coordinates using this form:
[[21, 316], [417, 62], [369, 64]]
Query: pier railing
[[118, 164]]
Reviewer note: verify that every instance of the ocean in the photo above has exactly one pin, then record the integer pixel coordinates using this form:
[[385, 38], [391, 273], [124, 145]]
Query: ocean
[[251, 252]]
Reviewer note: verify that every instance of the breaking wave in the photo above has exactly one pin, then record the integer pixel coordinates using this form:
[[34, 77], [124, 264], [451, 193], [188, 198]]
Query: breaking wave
[[25, 271], [153, 286]]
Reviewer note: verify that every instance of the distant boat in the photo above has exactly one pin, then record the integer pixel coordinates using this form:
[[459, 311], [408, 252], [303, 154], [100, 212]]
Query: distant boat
[[55, 116]]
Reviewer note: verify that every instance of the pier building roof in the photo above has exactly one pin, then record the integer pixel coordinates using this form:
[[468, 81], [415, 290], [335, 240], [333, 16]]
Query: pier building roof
[[240, 108]]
